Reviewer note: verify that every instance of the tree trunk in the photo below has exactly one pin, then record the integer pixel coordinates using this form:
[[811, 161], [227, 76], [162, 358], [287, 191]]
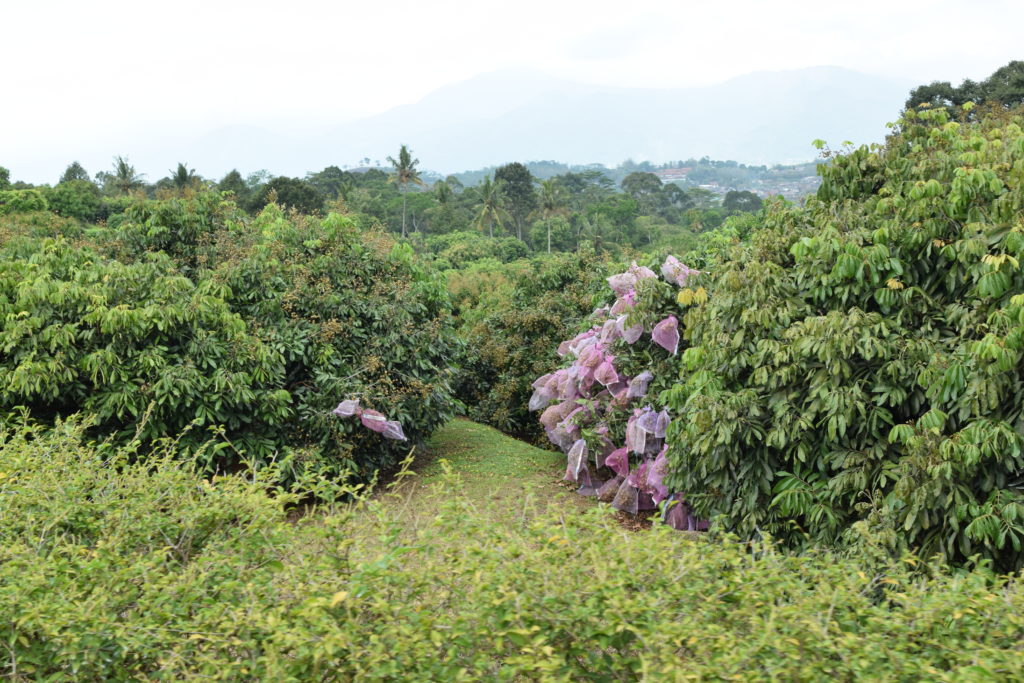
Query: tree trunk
[[403, 211]]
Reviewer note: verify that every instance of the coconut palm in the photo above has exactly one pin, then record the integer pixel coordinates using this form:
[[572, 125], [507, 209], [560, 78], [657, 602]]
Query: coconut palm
[[551, 204], [405, 173], [443, 192], [492, 208], [124, 179], [183, 176]]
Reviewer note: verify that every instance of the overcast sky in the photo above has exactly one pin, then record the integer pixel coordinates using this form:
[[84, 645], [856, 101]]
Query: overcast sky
[[81, 74]]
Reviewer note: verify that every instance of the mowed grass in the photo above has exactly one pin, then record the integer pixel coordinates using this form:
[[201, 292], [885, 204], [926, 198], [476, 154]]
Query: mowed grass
[[498, 475]]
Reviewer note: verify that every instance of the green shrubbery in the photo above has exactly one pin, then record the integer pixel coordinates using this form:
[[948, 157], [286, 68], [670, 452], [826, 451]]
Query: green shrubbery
[[459, 249], [857, 370], [79, 199], [511, 320], [114, 571], [183, 309], [84, 333], [21, 201]]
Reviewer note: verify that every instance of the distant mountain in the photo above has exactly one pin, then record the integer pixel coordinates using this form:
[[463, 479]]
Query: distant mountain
[[516, 115], [524, 115]]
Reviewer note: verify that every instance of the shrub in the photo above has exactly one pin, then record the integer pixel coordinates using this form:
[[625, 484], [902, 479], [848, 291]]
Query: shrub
[[113, 571], [79, 199], [857, 368], [353, 315], [21, 201], [459, 249], [176, 226], [280, 321], [599, 408], [512, 332], [84, 333]]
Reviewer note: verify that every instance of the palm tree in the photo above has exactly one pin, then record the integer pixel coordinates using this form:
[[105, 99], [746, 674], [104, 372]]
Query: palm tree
[[491, 205], [183, 177], [443, 191], [405, 173], [551, 204], [124, 179]]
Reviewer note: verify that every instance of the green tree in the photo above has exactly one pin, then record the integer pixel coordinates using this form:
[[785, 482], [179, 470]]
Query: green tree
[[74, 171], [492, 206], [551, 204], [443, 192], [639, 185], [1004, 87], [5, 178], [234, 183], [124, 179], [405, 172], [516, 184], [332, 182], [741, 200], [455, 184], [445, 216], [184, 177], [291, 192], [79, 199]]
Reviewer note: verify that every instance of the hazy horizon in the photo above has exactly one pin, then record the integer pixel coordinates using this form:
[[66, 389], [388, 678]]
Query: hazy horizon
[[115, 78]]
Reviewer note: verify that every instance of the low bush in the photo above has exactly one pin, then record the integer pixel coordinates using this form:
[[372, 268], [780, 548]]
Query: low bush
[[114, 571]]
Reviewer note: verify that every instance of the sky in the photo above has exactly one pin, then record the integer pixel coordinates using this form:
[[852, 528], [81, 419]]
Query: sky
[[89, 79]]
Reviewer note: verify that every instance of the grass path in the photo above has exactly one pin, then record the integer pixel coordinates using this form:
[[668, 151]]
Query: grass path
[[494, 471]]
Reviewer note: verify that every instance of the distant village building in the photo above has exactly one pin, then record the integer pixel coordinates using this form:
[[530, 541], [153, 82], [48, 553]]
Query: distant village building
[[667, 175]]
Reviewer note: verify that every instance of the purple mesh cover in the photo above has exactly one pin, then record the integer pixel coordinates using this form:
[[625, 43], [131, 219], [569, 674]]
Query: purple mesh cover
[[371, 419], [606, 493], [630, 334], [606, 374], [641, 272], [610, 332], [347, 408], [638, 387], [622, 283], [618, 461], [393, 430], [539, 399], [576, 460], [636, 438], [677, 273], [656, 477], [589, 484], [666, 334], [626, 498]]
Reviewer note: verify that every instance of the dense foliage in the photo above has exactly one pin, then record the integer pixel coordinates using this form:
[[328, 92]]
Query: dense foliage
[[603, 409], [856, 370], [511, 317], [186, 312], [1005, 87], [20, 201], [159, 573]]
